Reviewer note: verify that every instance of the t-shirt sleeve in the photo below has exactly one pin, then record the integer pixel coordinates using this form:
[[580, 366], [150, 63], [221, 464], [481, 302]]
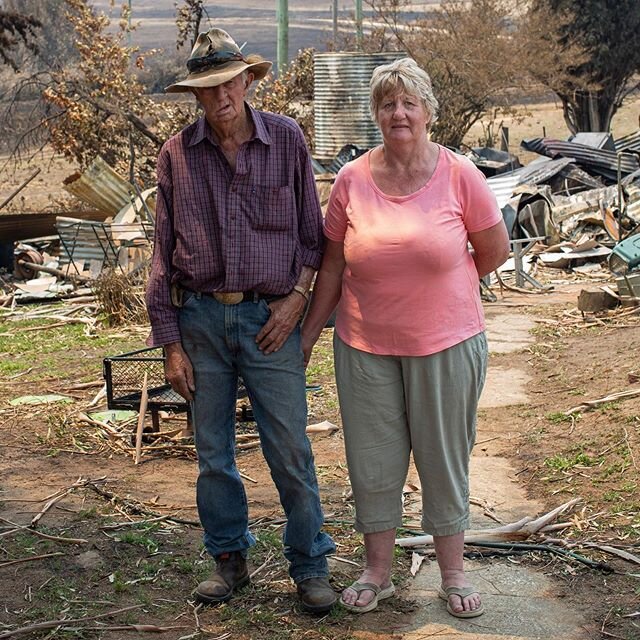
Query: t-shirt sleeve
[[335, 221], [480, 209]]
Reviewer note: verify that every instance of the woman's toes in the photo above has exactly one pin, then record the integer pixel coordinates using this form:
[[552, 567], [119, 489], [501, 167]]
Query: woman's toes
[[349, 596], [362, 599], [456, 603], [472, 602]]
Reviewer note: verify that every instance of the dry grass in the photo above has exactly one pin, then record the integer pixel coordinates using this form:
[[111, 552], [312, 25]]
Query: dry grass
[[120, 298]]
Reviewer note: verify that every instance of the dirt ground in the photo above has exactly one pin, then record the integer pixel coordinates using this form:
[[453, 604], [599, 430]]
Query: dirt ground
[[137, 525]]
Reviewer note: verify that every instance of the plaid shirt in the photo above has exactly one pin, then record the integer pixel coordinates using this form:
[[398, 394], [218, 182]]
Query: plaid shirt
[[222, 231]]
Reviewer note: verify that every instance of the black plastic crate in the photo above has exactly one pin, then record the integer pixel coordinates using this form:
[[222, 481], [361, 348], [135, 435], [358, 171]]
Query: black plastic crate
[[124, 375]]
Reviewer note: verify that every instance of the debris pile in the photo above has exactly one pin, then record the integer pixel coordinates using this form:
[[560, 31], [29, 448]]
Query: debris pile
[[576, 208], [115, 236]]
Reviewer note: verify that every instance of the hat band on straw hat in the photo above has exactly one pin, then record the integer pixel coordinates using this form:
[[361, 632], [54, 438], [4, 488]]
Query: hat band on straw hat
[[215, 59]]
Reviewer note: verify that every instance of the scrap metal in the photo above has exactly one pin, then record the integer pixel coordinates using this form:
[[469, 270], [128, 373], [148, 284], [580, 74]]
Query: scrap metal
[[601, 162]]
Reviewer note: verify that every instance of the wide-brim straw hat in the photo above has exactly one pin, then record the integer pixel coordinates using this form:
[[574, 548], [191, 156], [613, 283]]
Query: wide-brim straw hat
[[215, 59]]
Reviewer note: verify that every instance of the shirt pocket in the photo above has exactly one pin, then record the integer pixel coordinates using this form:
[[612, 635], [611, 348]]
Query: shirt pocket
[[270, 208]]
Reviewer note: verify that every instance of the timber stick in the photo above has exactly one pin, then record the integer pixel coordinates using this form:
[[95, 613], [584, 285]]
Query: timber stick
[[244, 437], [62, 318], [80, 482], [101, 394], [45, 326], [20, 527], [29, 559], [141, 415], [591, 404], [243, 446], [613, 551], [262, 566], [16, 191], [133, 523], [134, 507], [140, 628], [535, 525], [514, 531], [51, 624], [48, 506], [85, 385]]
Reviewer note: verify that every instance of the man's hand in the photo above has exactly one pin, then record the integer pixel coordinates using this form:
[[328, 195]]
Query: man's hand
[[285, 314], [178, 370]]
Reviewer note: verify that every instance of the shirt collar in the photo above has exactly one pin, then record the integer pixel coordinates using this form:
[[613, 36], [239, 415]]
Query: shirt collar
[[203, 131], [260, 130]]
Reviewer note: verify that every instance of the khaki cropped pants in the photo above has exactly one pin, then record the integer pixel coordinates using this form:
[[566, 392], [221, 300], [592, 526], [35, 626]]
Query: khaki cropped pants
[[393, 406]]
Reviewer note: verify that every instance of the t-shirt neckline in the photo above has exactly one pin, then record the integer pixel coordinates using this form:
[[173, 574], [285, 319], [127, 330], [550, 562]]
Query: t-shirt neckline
[[425, 187]]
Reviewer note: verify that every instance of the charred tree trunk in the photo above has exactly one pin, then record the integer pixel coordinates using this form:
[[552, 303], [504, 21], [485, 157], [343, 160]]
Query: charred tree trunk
[[589, 110]]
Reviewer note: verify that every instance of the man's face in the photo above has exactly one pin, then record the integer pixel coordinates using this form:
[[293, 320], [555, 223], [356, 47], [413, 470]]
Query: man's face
[[225, 103]]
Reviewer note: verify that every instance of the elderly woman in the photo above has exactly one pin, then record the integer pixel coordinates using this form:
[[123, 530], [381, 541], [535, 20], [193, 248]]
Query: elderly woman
[[409, 343]]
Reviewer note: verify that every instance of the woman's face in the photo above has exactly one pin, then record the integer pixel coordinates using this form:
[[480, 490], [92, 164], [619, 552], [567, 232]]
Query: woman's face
[[402, 117]]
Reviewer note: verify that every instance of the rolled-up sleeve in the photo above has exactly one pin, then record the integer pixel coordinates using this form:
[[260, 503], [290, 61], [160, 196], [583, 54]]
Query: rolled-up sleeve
[[162, 314], [309, 211]]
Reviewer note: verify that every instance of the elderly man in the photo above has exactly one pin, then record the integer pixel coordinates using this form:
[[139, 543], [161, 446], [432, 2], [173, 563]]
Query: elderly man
[[238, 239]]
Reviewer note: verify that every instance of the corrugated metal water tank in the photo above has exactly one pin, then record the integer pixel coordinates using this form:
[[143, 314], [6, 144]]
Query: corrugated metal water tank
[[341, 100]]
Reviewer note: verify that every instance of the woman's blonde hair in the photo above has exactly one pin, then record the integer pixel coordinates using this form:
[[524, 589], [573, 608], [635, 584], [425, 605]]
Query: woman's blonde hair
[[402, 76]]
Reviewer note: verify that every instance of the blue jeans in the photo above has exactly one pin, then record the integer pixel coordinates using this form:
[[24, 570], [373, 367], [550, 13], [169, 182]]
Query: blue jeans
[[220, 342]]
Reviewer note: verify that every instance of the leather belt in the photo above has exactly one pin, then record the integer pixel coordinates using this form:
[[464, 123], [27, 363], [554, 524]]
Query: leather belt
[[236, 297]]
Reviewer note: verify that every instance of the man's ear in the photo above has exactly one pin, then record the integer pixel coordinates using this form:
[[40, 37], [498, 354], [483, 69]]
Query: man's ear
[[248, 80]]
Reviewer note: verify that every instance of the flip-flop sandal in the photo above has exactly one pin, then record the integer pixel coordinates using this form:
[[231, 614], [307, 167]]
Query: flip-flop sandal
[[462, 592], [380, 594]]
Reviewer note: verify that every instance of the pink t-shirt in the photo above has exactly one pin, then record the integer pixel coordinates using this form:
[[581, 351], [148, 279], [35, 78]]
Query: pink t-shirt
[[410, 286]]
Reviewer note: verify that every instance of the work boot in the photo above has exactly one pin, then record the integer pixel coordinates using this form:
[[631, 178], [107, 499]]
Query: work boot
[[316, 595], [230, 574]]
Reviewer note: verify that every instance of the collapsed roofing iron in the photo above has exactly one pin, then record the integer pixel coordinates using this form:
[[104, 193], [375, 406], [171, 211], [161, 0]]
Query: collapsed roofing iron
[[601, 162], [629, 143]]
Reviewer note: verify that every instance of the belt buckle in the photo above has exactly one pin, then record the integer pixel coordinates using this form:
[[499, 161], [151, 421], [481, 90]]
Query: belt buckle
[[229, 298]]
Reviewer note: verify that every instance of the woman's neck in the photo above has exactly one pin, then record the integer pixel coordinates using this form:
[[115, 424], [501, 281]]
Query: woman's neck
[[414, 156], [403, 169]]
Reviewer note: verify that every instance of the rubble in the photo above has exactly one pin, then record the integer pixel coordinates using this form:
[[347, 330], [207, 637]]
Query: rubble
[[116, 234]]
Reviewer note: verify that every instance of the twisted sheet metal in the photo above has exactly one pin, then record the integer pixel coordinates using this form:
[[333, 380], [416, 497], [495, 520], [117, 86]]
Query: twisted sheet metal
[[629, 143], [604, 163], [101, 187]]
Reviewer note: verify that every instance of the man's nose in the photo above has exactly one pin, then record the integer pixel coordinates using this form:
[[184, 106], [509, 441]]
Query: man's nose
[[216, 92]]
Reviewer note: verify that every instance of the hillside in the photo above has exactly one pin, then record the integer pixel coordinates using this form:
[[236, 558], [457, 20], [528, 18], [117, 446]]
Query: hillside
[[253, 21]]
